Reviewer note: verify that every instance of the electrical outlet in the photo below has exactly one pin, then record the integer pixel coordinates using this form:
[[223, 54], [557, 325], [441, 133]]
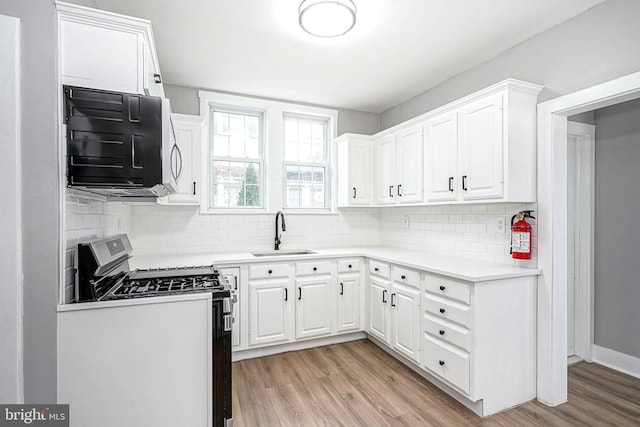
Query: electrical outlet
[[501, 224], [405, 221]]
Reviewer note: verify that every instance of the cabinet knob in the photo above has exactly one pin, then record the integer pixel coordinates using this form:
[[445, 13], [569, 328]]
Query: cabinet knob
[[441, 332], [403, 277], [270, 271], [376, 269], [442, 310], [442, 288], [441, 362], [315, 268], [349, 265]]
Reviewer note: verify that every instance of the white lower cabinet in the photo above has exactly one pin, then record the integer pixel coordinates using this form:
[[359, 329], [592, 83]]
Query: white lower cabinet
[[405, 320], [348, 300], [379, 313], [269, 304], [313, 318]]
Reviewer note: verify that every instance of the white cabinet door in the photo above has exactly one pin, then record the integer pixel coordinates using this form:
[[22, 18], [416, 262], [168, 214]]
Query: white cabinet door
[[313, 313], [379, 309], [348, 305], [480, 144], [385, 173], [269, 311], [354, 170], [441, 158], [405, 320], [188, 130], [409, 158]]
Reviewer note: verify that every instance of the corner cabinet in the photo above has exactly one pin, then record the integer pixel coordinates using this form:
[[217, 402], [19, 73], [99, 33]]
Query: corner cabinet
[[354, 170], [189, 131], [108, 51]]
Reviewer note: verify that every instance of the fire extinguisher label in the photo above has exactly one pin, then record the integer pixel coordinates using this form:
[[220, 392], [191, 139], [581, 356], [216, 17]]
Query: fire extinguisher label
[[521, 241]]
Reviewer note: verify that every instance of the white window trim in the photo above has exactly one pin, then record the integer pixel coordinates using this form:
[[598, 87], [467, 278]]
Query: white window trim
[[273, 147]]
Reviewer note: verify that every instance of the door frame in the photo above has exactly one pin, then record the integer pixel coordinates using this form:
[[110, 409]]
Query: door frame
[[584, 252], [552, 225]]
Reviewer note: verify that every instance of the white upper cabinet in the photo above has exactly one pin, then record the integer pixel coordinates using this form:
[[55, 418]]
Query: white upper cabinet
[[399, 167], [481, 149], [188, 130], [104, 50], [354, 170], [441, 158]]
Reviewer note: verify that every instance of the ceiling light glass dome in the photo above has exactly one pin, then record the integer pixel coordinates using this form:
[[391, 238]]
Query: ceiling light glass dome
[[327, 18]]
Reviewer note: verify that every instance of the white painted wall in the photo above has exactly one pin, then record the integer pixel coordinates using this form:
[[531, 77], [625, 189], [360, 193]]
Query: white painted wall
[[11, 386]]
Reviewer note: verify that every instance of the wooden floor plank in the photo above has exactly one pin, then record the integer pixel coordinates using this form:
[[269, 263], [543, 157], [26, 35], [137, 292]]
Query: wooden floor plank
[[359, 384]]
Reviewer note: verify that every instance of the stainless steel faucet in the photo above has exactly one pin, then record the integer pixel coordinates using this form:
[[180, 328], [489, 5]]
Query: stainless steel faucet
[[279, 214]]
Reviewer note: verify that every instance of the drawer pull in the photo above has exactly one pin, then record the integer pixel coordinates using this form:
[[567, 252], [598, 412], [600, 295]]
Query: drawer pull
[[441, 332], [442, 288], [315, 268], [376, 269], [441, 362], [442, 310], [349, 265], [403, 277], [270, 271]]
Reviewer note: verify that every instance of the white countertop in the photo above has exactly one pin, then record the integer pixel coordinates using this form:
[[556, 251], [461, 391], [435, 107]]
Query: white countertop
[[455, 267]]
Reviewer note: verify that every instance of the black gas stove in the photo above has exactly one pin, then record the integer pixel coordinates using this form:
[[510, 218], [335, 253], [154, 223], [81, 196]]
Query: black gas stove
[[103, 274]]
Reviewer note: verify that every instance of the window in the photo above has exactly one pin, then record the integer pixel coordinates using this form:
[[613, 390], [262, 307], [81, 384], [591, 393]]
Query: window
[[305, 162], [236, 159]]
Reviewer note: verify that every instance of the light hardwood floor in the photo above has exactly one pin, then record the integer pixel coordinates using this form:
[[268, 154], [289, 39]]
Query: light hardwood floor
[[358, 384]]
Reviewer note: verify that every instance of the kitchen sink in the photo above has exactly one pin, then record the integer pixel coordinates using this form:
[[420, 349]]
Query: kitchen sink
[[282, 253]]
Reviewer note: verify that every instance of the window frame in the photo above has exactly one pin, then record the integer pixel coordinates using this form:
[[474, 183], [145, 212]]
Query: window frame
[[273, 150], [211, 158], [325, 121]]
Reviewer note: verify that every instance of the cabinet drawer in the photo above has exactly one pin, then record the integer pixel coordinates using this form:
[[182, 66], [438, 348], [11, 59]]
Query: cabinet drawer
[[348, 265], [445, 309], [449, 288], [379, 269], [406, 276], [447, 331], [313, 267], [268, 271], [446, 362]]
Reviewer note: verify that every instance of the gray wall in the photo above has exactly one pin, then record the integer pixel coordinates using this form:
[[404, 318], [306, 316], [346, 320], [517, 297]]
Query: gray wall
[[617, 235], [185, 100], [40, 194], [598, 45]]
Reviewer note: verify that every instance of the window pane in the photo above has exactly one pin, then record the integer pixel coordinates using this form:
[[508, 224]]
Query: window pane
[[236, 184], [310, 137], [304, 186]]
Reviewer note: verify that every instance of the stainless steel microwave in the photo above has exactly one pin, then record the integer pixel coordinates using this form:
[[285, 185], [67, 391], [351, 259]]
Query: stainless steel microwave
[[120, 145]]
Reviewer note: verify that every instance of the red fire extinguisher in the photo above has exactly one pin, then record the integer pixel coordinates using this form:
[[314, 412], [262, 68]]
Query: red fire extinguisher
[[521, 235]]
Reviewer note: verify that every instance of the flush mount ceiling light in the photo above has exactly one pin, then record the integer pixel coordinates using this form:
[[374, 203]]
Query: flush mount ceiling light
[[327, 18]]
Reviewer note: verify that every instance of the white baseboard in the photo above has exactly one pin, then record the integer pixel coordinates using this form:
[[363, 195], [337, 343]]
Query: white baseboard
[[624, 363]]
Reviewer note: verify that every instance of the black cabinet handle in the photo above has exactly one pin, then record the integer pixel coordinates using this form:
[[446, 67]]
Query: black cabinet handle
[[376, 269], [392, 295], [270, 271], [354, 192], [341, 288], [403, 277], [450, 183], [391, 191], [299, 293], [194, 188], [441, 362], [441, 332], [286, 294], [442, 310], [384, 294], [442, 288], [349, 265], [156, 78], [399, 185], [464, 182], [315, 268]]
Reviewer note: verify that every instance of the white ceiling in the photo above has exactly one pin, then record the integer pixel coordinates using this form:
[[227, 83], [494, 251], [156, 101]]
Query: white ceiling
[[398, 48]]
